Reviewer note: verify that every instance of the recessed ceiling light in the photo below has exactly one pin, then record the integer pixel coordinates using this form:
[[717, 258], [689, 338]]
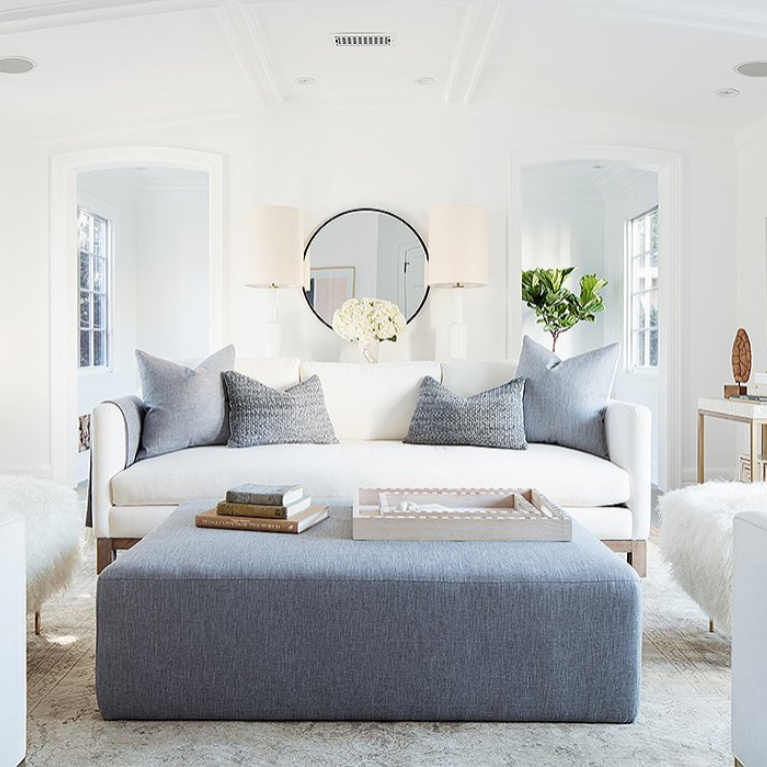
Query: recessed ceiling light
[[16, 65], [752, 69], [305, 81], [727, 93], [425, 80]]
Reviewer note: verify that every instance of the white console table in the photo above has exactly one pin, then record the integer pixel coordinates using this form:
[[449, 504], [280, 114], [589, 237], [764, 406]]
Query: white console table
[[744, 411], [13, 640]]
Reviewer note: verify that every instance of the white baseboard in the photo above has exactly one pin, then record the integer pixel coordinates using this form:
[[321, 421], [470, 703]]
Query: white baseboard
[[39, 470]]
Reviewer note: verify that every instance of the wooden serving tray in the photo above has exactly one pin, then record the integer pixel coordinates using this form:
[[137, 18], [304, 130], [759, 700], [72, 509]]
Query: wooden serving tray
[[470, 514]]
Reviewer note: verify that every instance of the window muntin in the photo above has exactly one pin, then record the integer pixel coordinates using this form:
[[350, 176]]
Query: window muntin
[[94, 255], [642, 319]]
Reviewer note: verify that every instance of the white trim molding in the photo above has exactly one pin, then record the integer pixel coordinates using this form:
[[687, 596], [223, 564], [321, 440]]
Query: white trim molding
[[670, 169], [63, 273]]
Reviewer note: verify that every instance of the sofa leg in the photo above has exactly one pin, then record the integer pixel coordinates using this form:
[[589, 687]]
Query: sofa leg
[[710, 625], [37, 622], [104, 553], [637, 557]]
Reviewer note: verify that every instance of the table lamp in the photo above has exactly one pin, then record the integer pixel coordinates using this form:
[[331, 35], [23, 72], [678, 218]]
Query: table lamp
[[458, 256], [276, 244]]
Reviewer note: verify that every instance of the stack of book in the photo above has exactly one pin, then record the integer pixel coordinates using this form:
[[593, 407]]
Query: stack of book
[[264, 508]]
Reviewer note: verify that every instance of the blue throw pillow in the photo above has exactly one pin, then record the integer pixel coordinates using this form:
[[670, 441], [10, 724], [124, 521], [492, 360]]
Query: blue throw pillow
[[492, 418], [185, 407], [565, 400], [260, 415]]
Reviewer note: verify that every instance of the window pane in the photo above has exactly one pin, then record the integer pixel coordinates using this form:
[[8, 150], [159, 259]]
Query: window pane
[[98, 311], [84, 271], [85, 354], [83, 222], [99, 275], [653, 350], [98, 348], [85, 310], [639, 349], [99, 233]]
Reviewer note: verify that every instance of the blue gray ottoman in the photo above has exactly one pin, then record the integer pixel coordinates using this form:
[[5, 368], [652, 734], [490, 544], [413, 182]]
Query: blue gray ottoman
[[223, 624]]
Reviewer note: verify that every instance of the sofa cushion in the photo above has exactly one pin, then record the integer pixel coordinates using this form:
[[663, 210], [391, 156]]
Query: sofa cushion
[[261, 415], [185, 407], [467, 377], [565, 400], [277, 372], [371, 401], [492, 418], [568, 477]]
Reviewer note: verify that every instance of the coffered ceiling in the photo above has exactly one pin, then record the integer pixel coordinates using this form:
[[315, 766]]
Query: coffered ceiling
[[102, 63]]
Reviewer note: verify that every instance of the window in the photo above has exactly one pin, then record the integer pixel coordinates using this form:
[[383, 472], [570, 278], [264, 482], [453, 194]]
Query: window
[[94, 262], [642, 320]]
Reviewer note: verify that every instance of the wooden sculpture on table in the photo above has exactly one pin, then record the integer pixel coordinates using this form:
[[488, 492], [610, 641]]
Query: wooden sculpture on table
[[741, 364]]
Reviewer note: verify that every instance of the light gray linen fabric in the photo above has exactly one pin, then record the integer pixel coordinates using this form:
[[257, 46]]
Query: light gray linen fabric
[[222, 624], [185, 407], [260, 415], [492, 418], [133, 411], [565, 400]]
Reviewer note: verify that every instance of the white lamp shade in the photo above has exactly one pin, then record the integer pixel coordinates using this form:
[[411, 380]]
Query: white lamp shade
[[458, 246], [276, 247]]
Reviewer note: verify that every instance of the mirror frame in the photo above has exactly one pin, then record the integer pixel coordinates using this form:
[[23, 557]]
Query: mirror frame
[[365, 210]]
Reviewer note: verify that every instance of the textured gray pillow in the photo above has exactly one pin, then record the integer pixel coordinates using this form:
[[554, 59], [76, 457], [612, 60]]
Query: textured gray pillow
[[565, 400], [260, 415], [492, 418], [185, 407]]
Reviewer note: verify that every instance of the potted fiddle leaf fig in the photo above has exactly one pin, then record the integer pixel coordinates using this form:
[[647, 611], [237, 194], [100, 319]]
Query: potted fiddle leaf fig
[[557, 308]]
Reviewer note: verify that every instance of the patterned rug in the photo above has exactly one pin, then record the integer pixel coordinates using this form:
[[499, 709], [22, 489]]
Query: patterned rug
[[684, 718]]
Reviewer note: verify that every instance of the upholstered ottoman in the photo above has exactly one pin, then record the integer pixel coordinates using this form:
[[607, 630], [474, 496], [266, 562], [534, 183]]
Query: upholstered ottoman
[[221, 624]]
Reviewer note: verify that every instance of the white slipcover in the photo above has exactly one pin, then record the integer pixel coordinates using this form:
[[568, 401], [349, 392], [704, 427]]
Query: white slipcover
[[371, 401]]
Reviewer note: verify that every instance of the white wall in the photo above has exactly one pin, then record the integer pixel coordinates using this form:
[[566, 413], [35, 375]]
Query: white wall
[[173, 306], [640, 387], [325, 159], [750, 260]]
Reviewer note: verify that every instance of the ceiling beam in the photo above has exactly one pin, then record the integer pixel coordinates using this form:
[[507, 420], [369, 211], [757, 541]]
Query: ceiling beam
[[479, 29], [717, 16], [245, 35], [72, 12]]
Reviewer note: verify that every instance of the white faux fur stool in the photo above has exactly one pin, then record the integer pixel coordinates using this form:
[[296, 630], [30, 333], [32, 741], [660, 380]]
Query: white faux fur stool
[[53, 534], [696, 539]]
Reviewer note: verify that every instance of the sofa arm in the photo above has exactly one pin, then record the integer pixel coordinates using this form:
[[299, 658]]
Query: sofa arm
[[115, 438], [749, 637], [628, 429]]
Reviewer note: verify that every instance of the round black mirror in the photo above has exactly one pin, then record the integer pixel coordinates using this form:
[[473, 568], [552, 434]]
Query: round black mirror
[[366, 253]]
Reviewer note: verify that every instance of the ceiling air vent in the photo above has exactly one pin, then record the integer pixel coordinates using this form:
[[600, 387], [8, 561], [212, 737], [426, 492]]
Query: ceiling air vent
[[363, 40]]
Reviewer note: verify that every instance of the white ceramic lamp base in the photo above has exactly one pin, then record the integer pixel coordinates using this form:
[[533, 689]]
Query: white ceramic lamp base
[[457, 339], [272, 330]]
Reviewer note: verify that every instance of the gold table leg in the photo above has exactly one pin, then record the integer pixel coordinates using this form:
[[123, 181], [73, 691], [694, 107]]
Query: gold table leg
[[754, 450], [701, 447]]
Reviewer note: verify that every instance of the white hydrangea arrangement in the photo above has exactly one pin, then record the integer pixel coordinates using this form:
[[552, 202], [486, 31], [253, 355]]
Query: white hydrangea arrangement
[[368, 319]]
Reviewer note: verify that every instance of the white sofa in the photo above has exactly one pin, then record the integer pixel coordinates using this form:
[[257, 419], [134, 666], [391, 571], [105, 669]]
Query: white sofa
[[370, 407], [749, 639]]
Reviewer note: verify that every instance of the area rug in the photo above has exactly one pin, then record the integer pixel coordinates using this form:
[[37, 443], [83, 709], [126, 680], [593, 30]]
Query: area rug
[[684, 717]]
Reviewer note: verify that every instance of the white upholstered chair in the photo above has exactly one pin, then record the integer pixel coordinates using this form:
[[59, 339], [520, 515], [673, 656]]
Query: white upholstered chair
[[13, 641], [749, 640], [54, 525]]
